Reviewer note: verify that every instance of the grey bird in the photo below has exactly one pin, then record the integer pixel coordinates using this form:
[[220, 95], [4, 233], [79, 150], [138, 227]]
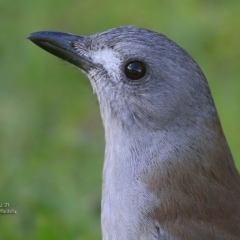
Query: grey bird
[[168, 171]]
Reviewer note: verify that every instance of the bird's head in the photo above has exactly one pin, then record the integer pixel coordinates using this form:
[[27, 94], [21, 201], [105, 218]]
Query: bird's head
[[141, 77]]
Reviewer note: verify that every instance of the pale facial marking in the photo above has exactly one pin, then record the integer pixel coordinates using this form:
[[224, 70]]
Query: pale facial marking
[[108, 58]]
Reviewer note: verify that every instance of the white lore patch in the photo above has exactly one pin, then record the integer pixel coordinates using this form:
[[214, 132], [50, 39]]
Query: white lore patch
[[108, 58]]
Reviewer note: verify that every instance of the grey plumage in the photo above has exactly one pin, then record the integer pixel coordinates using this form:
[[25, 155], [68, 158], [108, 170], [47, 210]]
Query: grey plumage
[[168, 171]]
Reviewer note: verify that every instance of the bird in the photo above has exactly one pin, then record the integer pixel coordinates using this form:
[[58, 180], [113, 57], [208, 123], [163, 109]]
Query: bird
[[168, 170]]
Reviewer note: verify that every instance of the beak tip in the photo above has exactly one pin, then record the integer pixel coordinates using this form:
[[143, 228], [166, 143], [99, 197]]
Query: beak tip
[[35, 36], [29, 37]]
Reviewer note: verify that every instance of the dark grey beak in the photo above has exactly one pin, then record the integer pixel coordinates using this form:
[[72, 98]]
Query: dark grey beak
[[63, 45]]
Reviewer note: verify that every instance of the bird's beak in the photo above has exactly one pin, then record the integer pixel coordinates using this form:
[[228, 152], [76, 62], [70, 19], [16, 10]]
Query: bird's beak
[[64, 46]]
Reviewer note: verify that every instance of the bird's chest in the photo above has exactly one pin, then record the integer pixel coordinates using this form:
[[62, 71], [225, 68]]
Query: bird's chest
[[126, 203]]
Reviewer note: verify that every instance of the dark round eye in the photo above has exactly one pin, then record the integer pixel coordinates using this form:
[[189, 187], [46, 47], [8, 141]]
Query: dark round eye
[[135, 70]]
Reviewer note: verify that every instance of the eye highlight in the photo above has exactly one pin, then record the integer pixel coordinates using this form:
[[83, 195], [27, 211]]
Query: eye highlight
[[135, 70]]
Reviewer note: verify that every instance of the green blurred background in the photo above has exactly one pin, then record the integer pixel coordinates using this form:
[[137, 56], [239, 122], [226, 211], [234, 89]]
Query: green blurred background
[[51, 136]]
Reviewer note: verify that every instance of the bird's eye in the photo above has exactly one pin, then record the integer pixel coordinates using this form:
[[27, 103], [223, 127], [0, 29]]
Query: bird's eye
[[135, 70]]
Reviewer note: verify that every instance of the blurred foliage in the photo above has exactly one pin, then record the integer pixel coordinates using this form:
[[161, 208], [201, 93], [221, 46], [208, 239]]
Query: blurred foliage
[[51, 136]]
